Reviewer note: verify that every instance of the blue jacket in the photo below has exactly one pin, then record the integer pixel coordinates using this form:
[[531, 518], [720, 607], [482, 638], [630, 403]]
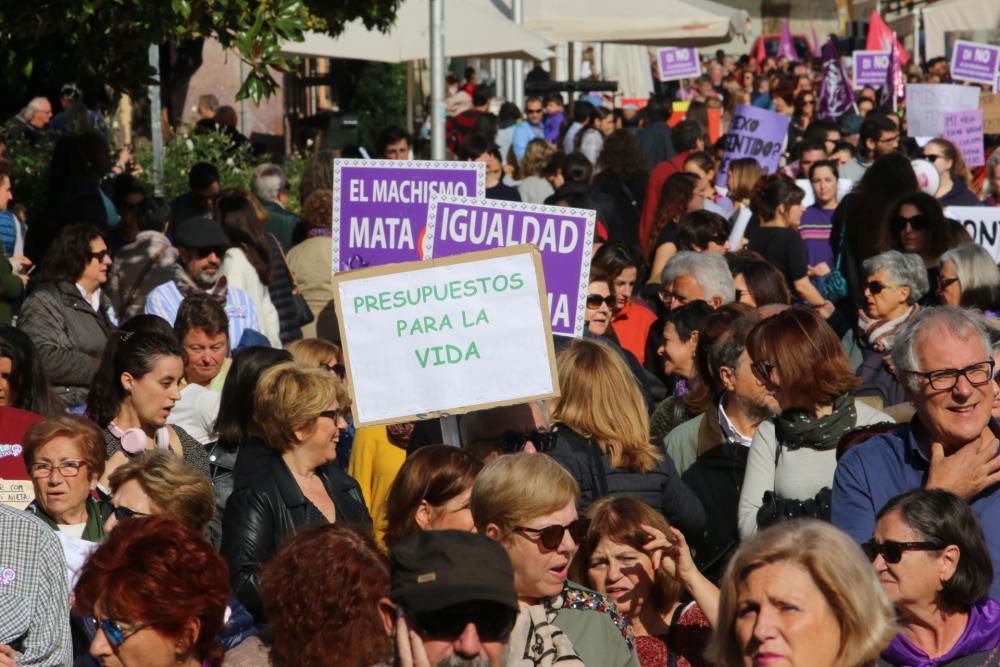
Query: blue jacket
[[523, 133]]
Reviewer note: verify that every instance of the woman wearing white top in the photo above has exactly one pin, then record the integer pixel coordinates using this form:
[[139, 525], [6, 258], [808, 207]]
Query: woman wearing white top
[[247, 264]]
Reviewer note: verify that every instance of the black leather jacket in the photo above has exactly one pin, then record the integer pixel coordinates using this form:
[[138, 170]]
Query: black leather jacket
[[268, 511]]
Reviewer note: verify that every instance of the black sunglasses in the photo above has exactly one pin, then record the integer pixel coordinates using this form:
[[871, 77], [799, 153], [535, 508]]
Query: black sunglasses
[[930, 157], [493, 621], [512, 442], [122, 513], [945, 283], [99, 255], [551, 537], [762, 370], [892, 552], [916, 223], [335, 415], [876, 286], [205, 252], [594, 301], [337, 369]]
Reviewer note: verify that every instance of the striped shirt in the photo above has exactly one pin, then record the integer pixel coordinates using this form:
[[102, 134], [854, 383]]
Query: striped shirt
[[166, 299]]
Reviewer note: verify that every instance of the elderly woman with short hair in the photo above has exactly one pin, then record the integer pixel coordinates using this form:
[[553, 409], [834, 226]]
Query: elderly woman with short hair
[[896, 282], [931, 558]]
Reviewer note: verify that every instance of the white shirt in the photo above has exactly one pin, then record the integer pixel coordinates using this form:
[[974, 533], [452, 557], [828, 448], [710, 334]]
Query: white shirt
[[729, 430], [196, 412], [94, 300]]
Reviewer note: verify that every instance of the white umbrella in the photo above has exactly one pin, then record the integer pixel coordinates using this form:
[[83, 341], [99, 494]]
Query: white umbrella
[[471, 27]]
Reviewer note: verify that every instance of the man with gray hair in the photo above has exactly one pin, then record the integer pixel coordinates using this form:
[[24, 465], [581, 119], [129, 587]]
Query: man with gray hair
[[31, 121], [271, 188], [944, 359], [696, 276]]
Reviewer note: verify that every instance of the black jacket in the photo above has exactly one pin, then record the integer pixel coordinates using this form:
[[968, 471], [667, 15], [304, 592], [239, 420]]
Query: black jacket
[[268, 511], [280, 291], [661, 487]]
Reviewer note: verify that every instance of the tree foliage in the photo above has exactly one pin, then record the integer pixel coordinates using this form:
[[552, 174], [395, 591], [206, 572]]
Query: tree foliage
[[109, 40]]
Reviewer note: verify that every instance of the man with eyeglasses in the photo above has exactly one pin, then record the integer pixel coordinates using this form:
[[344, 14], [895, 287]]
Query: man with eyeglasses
[[201, 244], [487, 434], [879, 137], [944, 360], [456, 601], [530, 127], [693, 276]]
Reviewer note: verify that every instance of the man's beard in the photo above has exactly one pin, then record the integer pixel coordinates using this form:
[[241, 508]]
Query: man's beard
[[207, 280], [456, 661], [758, 410]]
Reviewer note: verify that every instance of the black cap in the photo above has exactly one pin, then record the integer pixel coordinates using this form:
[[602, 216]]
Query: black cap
[[200, 232], [434, 569]]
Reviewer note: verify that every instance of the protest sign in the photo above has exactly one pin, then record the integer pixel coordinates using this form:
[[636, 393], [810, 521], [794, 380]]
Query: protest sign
[[755, 133], [676, 63], [990, 104], [16, 493], [563, 236], [380, 206], [926, 104], [870, 68], [965, 130], [982, 223], [974, 62], [446, 336]]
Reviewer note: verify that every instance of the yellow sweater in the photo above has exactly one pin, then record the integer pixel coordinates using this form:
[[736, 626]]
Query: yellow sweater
[[374, 464]]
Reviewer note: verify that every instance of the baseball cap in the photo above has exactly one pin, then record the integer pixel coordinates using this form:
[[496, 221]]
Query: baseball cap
[[435, 569], [851, 124], [200, 232]]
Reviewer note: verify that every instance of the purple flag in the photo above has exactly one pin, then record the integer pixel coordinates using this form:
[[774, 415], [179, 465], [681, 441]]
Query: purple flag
[[835, 95], [894, 91], [786, 47]]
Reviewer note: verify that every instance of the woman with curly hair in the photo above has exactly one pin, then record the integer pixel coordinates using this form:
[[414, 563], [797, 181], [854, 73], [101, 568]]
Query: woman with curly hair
[[679, 196], [622, 176], [534, 188]]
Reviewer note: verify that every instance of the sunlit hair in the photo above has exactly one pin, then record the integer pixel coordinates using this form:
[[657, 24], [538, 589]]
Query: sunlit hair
[[837, 567], [536, 155], [620, 519], [743, 174], [82, 432], [313, 352], [290, 398], [958, 167], [599, 399], [515, 488], [173, 487]]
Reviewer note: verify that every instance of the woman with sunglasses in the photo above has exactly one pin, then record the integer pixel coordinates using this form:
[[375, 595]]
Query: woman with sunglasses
[[789, 473], [917, 225], [955, 176], [298, 413], [602, 437], [321, 353], [804, 113], [157, 593], [969, 278], [632, 319], [896, 281], [67, 315], [931, 558], [528, 503]]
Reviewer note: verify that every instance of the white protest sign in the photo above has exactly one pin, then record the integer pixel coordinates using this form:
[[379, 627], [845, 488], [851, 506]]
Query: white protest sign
[[982, 223], [446, 336], [16, 493], [926, 104]]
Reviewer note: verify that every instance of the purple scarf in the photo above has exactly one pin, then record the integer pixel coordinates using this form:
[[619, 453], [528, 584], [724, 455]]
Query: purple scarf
[[981, 634]]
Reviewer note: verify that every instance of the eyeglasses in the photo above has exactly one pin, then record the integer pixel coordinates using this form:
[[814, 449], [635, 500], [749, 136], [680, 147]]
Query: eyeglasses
[[493, 622], [892, 552], [123, 513], [337, 369], [551, 537], [512, 442], [931, 157], [335, 415], [945, 379], [99, 255], [876, 286], [66, 469], [739, 294], [666, 296], [945, 283], [114, 633], [594, 301], [888, 140], [916, 223], [808, 102], [762, 370], [538, 110], [205, 252]]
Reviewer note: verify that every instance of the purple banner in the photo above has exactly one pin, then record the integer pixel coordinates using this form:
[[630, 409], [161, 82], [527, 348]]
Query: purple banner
[[974, 62], [870, 68], [380, 206], [755, 133], [678, 63], [563, 236], [965, 130]]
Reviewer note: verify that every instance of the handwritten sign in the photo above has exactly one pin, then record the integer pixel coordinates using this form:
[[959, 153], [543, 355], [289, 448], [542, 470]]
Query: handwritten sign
[[870, 68], [380, 206], [990, 104], [974, 62], [446, 336], [965, 130], [676, 63], [982, 223], [16, 493], [564, 237], [926, 104], [755, 133]]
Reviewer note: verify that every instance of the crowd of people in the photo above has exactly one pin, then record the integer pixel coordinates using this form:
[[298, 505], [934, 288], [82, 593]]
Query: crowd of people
[[778, 446]]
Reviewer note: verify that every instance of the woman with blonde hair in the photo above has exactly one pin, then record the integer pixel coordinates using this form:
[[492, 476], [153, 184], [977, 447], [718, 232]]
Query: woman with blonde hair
[[603, 437], [800, 594], [534, 188], [955, 176]]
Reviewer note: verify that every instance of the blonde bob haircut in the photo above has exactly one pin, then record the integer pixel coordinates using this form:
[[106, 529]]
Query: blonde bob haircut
[[313, 352], [600, 400], [837, 567], [290, 398], [173, 488], [516, 488]]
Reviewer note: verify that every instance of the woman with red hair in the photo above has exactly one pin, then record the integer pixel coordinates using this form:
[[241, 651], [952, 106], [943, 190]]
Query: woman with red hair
[[157, 593]]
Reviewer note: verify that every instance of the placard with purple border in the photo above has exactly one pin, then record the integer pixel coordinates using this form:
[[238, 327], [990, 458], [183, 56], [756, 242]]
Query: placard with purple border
[[678, 63], [975, 62], [564, 237], [870, 68], [756, 133], [380, 206], [965, 130]]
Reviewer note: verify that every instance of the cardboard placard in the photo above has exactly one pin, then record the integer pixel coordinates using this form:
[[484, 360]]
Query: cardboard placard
[[564, 237], [870, 68], [380, 206], [974, 62], [990, 104], [16, 493], [678, 63], [965, 130], [446, 336], [755, 133], [982, 223], [926, 104]]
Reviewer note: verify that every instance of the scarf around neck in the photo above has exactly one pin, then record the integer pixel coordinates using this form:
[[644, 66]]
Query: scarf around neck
[[186, 286], [982, 633], [881, 334], [797, 428]]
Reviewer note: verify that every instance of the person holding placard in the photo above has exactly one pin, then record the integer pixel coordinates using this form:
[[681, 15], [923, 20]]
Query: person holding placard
[[950, 166]]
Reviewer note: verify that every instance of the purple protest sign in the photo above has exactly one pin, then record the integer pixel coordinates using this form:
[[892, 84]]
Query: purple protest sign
[[563, 236], [678, 63], [380, 206], [870, 68], [965, 130], [974, 62], [755, 133]]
